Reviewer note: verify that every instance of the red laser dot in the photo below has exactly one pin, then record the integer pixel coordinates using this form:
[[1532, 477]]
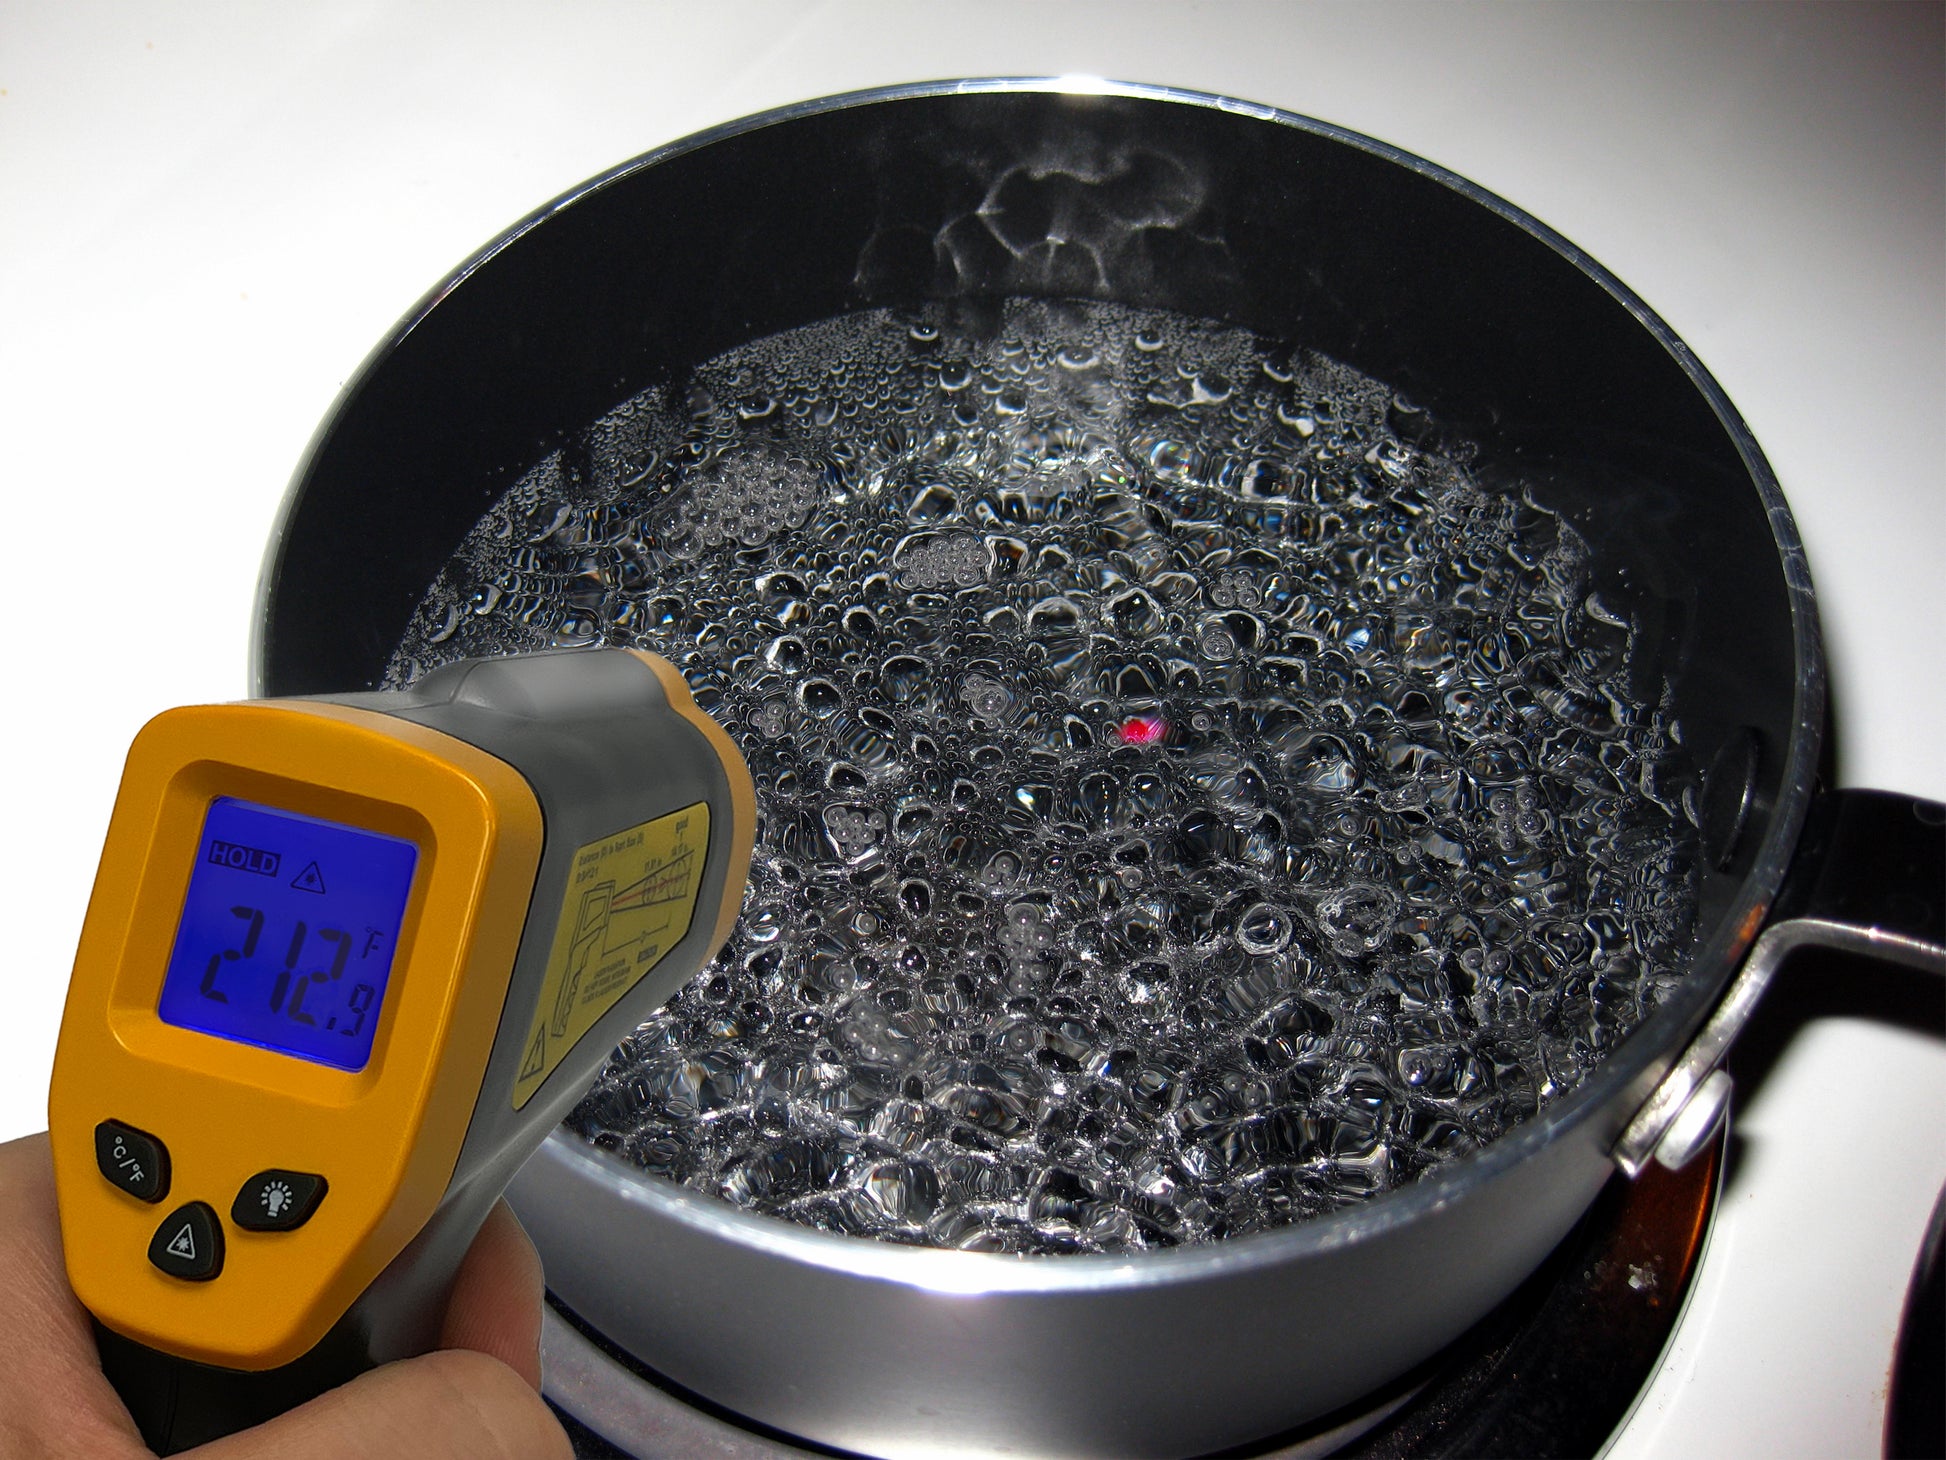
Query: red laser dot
[[1142, 730]]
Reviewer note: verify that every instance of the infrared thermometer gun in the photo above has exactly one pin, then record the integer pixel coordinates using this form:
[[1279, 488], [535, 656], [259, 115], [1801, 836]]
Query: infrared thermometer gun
[[347, 961]]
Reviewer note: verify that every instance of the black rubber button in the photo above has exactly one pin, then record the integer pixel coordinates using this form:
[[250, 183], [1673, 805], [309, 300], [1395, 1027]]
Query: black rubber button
[[133, 1160], [189, 1243], [277, 1201]]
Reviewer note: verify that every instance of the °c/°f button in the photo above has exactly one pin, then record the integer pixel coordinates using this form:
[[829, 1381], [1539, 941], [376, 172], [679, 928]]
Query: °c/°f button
[[133, 1160], [189, 1243], [277, 1201]]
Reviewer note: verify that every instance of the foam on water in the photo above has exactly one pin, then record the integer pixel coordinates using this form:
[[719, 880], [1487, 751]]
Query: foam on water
[[1190, 800]]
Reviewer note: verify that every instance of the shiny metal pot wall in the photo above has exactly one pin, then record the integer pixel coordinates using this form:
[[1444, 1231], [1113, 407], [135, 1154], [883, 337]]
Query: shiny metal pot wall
[[1214, 208]]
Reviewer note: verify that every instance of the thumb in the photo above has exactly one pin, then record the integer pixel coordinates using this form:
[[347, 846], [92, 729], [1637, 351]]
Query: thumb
[[495, 1307]]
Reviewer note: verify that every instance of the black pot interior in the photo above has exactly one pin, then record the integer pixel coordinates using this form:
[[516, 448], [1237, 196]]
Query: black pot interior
[[1501, 333]]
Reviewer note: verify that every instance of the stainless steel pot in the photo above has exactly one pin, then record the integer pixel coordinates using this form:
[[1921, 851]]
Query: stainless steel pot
[[1300, 232]]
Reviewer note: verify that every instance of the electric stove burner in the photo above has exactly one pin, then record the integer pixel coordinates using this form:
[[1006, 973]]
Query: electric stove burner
[[1553, 1371]]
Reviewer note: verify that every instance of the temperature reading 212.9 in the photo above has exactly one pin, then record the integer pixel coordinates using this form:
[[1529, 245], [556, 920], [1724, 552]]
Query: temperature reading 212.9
[[344, 1012], [288, 932]]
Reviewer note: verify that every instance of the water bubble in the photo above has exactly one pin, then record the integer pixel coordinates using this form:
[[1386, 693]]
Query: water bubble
[[856, 832], [941, 559], [1263, 929], [875, 1037], [820, 696], [1357, 919], [1026, 936], [987, 698], [1217, 642], [900, 1191]]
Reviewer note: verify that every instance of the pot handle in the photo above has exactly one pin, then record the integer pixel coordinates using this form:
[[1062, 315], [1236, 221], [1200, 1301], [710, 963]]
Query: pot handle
[[1869, 877]]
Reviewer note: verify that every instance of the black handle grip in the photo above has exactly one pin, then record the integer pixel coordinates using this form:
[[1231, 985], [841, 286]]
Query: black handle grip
[[1871, 859], [178, 1403]]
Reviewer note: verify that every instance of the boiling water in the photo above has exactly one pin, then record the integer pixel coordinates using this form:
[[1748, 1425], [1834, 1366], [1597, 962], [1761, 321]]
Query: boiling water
[[1190, 800]]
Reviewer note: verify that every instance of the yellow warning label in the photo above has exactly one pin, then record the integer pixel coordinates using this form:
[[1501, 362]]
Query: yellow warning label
[[629, 901]]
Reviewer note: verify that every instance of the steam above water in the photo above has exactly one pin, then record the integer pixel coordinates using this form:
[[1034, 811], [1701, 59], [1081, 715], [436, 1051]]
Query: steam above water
[[1190, 800]]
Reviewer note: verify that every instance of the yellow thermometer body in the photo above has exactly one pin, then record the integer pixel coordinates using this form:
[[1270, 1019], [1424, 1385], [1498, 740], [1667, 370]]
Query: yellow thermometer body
[[347, 961]]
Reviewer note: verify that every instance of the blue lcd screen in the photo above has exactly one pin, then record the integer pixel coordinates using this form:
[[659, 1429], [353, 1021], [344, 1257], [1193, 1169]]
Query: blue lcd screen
[[288, 932]]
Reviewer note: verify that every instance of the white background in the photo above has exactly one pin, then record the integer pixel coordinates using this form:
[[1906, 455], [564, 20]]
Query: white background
[[210, 212]]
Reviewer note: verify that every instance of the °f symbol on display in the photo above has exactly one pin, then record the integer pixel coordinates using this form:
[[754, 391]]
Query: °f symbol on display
[[310, 879], [183, 1244]]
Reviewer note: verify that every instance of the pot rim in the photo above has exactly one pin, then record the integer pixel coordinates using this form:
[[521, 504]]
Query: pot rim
[[1637, 1063]]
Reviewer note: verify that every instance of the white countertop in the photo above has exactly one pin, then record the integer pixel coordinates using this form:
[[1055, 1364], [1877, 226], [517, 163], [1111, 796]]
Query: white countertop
[[209, 213]]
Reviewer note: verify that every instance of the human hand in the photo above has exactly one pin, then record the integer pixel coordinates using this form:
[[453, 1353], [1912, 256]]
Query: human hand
[[476, 1398]]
